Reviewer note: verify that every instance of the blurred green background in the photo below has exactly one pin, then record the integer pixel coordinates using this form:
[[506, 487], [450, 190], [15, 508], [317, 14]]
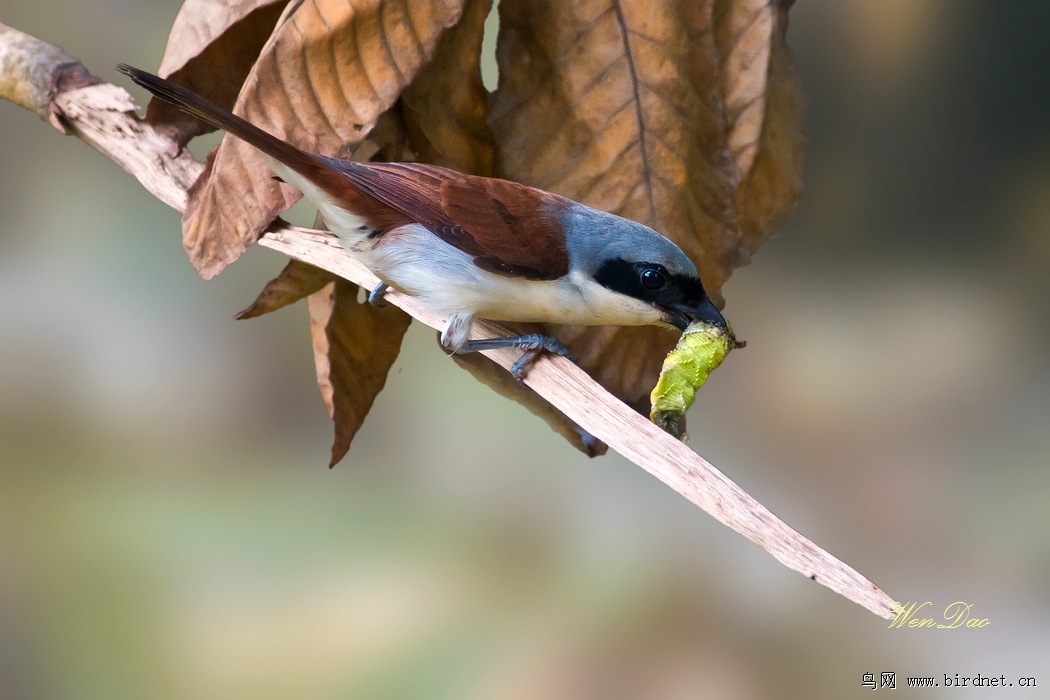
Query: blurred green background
[[169, 529]]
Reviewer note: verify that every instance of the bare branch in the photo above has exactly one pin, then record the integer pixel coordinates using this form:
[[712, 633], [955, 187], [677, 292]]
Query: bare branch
[[103, 115], [33, 71]]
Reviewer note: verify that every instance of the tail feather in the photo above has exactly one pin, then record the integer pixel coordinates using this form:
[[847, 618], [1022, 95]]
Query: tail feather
[[306, 164]]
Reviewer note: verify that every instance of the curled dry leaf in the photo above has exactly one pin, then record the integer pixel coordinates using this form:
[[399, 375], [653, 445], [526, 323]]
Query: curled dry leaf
[[211, 47], [663, 111], [499, 380], [326, 74], [355, 344], [297, 281]]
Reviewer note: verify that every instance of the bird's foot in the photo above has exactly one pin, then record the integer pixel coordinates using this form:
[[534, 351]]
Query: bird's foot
[[535, 345], [375, 297], [455, 335]]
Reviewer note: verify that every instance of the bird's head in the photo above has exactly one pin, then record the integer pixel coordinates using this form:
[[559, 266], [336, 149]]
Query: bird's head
[[629, 258]]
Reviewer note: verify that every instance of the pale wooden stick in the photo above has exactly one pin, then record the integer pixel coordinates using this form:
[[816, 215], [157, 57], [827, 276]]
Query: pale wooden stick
[[103, 115]]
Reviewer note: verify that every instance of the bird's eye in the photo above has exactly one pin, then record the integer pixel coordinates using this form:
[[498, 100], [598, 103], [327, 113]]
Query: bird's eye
[[653, 279]]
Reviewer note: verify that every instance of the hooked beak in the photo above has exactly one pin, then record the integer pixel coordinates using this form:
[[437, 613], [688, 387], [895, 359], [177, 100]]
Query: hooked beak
[[681, 315]]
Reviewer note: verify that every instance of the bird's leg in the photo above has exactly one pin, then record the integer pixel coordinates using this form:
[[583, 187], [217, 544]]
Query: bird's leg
[[533, 344], [456, 337], [375, 297]]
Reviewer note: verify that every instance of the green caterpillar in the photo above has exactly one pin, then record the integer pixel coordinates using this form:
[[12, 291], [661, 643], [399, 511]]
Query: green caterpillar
[[699, 351]]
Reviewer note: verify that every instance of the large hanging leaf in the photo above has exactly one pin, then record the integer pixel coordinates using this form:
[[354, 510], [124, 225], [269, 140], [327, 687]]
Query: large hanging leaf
[[658, 111]]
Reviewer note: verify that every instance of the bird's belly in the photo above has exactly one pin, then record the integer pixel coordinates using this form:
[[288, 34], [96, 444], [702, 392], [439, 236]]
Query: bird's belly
[[417, 262]]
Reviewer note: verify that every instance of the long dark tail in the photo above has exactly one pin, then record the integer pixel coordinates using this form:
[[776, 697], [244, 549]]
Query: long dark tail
[[306, 164]]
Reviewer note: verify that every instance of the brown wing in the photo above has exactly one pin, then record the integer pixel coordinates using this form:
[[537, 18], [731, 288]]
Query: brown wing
[[509, 228]]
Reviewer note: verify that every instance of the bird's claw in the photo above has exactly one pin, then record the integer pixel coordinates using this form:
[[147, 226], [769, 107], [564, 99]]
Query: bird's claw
[[375, 297], [534, 347]]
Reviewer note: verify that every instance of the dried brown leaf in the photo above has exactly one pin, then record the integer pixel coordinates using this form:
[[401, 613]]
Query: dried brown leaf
[[327, 73], [772, 187], [200, 23], [647, 109], [742, 31], [499, 380], [211, 47], [617, 105], [355, 344], [446, 107], [296, 281]]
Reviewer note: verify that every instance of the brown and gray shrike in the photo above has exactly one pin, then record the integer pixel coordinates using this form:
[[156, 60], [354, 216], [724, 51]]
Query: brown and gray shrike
[[476, 247]]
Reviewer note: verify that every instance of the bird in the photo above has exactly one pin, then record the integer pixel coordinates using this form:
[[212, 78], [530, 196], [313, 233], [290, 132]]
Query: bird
[[473, 247]]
